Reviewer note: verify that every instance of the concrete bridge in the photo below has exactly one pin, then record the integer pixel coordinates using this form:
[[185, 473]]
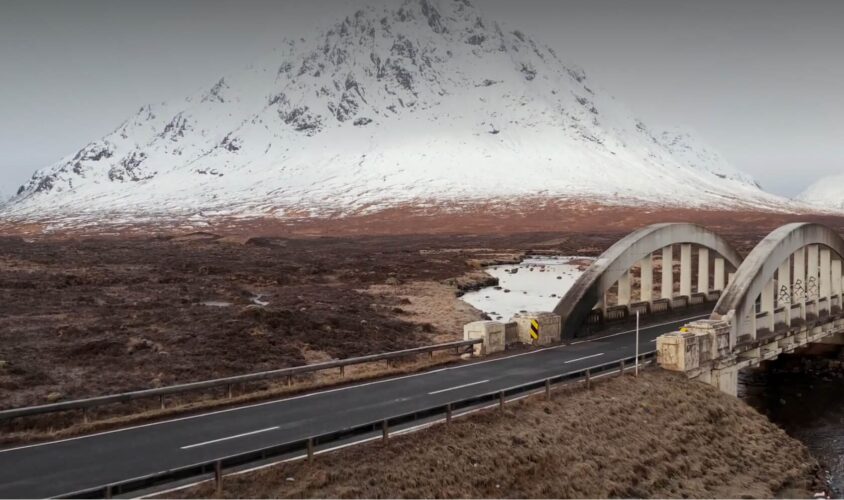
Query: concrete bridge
[[786, 294], [621, 282], [665, 270]]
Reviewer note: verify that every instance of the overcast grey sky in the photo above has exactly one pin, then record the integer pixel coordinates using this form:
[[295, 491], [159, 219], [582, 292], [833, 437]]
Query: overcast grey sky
[[761, 80]]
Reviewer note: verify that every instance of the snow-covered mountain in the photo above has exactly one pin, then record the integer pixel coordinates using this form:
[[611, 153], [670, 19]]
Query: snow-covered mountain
[[827, 192], [425, 102]]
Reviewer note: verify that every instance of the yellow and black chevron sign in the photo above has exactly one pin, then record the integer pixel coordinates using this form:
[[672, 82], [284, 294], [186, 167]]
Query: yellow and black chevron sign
[[534, 329]]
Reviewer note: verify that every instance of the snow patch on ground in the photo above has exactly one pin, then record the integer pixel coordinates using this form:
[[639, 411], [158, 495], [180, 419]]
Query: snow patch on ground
[[537, 284]]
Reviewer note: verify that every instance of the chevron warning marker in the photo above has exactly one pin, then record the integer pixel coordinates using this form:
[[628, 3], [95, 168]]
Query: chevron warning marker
[[534, 329]]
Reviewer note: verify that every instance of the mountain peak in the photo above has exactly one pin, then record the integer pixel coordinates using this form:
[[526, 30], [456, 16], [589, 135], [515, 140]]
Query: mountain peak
[[423, 102]]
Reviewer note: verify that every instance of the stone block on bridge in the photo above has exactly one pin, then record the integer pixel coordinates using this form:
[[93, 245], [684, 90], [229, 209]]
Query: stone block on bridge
[[714, 337], [550, 326], [511, 333], [660, 306], [643, 308], [493, 334], [678, 351], [680, 302]]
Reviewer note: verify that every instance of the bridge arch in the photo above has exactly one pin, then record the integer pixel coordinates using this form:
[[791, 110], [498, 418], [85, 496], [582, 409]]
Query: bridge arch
[[792, 277], [637, 248]]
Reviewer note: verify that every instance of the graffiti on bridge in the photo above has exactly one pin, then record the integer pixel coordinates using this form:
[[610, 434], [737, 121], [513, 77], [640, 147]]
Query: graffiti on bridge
[[798, 291]]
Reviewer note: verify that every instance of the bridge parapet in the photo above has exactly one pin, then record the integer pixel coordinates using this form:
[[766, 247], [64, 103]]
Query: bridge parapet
[[702, 349], [793, 278], [529, 328], [640, 273], [786, 294], [695, 345]]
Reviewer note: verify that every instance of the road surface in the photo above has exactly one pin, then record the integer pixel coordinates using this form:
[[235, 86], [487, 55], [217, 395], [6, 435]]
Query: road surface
[[62, 467]]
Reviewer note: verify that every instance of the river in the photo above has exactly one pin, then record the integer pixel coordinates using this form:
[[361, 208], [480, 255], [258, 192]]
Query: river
[[808, 407], [535, 284]]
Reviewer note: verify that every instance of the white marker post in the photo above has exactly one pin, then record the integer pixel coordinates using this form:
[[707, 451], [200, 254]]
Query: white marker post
[[636, 370]]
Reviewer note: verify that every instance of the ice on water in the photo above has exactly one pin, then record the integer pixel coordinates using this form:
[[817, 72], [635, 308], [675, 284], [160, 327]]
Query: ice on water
[[537, 284]]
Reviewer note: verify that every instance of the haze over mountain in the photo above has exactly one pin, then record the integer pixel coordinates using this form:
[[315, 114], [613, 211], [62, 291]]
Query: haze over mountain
[[827, 192], [426, 103]]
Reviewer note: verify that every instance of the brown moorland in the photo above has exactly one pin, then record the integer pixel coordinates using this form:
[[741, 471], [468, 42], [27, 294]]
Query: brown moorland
[[84, 315], [88, 316]]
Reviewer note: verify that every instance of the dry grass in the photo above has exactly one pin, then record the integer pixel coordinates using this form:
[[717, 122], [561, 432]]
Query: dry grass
[[657, 436], [430, 303], [69, 424]]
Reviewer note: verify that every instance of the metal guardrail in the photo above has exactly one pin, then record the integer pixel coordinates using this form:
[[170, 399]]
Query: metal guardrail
[[306, 447], [160, 392]]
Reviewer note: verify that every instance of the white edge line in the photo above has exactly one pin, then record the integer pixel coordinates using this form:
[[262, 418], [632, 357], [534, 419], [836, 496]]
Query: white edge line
[[458, 387], [196, 445], [372, 438], [327, 391], [640, 329], [584, 357], [407, 430], [275, 401]]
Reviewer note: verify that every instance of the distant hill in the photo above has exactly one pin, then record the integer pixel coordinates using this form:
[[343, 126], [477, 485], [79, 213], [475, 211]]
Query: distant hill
[[827, 192]]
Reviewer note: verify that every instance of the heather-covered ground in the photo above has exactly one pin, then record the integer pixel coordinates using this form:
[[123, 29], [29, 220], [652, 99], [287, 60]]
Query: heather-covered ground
[[91, 316]]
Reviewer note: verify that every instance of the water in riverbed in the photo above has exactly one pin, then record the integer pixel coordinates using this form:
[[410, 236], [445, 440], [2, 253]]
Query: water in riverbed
[[810, 408], [536, 284]]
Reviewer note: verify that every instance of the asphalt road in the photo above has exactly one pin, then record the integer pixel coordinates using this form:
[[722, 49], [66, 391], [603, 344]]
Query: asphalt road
[[62, 467]]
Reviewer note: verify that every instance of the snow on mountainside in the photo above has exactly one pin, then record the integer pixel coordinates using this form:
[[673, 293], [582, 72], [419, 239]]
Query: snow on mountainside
[[689, 149], [826, 193], [418, 104]]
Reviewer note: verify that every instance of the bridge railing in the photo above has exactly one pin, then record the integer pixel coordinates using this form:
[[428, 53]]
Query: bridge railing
[[228, 382], [780, 323], [763, 324], [811, 311], [306, 448], [823, 309], [796, 315]]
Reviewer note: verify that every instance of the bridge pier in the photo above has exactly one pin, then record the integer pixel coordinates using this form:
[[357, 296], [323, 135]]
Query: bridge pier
[[646, 279], [798, 287], [667, 290], [720, 274], [724, 379], [624, 289], [825, 285], [702, 270], [767, 308], [812, 271], [783, 290], [686, 269]]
